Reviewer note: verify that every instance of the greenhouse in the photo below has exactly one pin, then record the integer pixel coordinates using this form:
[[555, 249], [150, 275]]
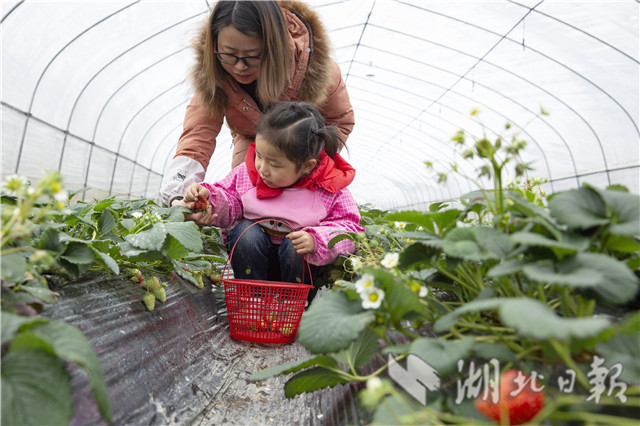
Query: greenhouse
[[455, 240]]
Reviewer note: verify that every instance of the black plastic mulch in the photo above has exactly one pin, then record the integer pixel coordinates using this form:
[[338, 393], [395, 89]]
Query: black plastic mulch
[[178, 364]]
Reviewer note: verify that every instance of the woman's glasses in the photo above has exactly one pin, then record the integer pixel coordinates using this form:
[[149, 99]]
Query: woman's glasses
[[229, 59]]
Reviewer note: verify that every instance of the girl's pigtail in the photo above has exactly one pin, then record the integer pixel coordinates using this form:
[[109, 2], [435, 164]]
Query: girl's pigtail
[[329, 139]]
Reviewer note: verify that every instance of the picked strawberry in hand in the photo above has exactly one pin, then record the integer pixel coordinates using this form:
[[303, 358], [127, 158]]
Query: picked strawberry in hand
[[202, 204]]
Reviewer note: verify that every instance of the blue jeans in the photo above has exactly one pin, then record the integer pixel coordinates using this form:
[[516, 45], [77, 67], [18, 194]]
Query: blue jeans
[[255, 257]]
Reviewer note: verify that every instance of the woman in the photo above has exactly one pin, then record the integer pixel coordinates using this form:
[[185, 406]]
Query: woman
[[251, 54]]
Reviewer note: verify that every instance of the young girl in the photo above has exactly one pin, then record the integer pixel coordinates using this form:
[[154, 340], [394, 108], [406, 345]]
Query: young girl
[[292, 173], [250, 54]]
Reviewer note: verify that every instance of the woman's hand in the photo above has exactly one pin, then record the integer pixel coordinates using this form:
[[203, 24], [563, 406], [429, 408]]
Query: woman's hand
[[303, 242], [200, 217]]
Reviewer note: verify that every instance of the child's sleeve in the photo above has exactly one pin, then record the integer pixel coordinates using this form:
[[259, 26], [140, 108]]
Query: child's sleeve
[[343, 216], [225, 200]]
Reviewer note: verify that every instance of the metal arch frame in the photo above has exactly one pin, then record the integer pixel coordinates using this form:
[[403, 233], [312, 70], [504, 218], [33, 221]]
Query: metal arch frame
[[167, 112], [75, 104], [393, 154], [62, 131], [124, 131], [491, 109], [155, 151], [15, 6], [46, 68], [530, 10]]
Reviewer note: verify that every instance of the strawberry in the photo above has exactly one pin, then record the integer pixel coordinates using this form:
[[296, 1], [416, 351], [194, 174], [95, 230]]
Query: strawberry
[[202, 204], [516, 409], [287, 330], [197, 275], [149, 301], [135, 275], [160, 294], [276, 326], [151, 283]]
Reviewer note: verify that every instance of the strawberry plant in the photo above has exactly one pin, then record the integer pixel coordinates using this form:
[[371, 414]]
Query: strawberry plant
[[45, 235], [504, 278]]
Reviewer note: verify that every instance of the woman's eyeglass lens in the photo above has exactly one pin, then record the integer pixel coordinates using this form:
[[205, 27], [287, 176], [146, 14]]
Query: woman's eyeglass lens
[[229, 59]]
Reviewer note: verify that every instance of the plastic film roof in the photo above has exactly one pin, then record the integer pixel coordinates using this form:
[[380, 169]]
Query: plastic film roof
[[98, 90]]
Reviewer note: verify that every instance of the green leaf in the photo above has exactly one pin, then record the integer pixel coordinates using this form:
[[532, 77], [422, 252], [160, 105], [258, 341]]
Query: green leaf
[[332, 322], [68, 343], [311, 380], [150, 239], [442, 354], [187, 234], [533, 318], [530, 318], [623, 348], [335, 240], [477, 243], [609, 278], [293, 366], [36, 389], [412, 216], [624, 211], [41, 290], [173, 249], [78, 254], [359, 351], [488, 350], [50, 240], [400, 298], [14, 266], [449, 320], [11, 323], [537, 240], [416, 254], [107, 261], [623, 244], [106, 222], [579, 208]]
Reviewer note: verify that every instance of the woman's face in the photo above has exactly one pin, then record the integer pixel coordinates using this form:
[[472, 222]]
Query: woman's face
[[232, 41]]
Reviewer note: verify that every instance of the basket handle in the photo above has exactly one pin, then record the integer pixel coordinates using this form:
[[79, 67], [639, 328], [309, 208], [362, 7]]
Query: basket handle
[[304, 258]]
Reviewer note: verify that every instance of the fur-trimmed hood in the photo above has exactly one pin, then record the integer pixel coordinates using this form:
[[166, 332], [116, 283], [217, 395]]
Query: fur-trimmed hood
[[309, 81]]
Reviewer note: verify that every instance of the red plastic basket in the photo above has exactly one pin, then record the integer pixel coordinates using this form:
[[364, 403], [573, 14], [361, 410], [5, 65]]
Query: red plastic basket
[[264, 311]]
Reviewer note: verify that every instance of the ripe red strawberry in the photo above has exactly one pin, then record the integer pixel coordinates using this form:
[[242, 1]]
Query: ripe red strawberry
[[201, 204], [516, 409]]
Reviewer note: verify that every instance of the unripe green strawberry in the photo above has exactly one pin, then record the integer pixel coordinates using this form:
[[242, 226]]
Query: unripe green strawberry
[[149, 301], [197, 275], [151, 283], [160, 294]]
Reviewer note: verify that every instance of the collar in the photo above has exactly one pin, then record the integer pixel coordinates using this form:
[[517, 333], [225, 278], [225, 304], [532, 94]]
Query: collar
[[330, 174]]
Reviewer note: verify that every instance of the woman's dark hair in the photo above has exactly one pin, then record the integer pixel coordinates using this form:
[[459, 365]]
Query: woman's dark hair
[[262, 19], [297, 129]]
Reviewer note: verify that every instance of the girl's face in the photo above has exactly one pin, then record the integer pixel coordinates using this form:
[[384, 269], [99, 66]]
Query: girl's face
[[232, 41], [275, 169]]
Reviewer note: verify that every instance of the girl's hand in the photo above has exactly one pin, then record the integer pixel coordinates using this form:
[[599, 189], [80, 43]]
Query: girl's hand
[[190, 200], [303, 242]]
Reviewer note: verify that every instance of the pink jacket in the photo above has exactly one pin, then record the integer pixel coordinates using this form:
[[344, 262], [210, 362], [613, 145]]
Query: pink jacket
[[318, 212]]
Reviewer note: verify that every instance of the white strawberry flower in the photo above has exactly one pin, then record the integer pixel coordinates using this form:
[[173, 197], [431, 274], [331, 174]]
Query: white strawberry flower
[[390, 260], [372, 298], [365, 282]]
